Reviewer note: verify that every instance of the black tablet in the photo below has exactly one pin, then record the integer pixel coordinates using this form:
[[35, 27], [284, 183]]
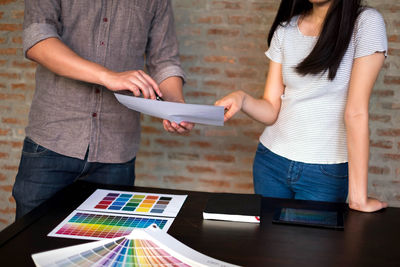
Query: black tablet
[[309, 217]]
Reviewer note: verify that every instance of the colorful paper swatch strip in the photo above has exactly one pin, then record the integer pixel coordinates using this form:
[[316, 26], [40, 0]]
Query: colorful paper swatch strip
[[97, 226]]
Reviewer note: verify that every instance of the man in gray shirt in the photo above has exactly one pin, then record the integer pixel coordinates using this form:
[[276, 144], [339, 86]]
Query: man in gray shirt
[[86, 51]]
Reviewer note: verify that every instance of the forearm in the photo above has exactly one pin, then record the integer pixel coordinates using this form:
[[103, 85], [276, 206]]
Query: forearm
[[358, 156], [260, 109], [266, 109], [60, 59], [363, 75], [171, 89]]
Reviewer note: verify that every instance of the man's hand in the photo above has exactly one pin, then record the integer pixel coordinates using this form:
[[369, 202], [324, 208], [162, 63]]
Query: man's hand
[[181, 128], [136, 81], [172, 88]]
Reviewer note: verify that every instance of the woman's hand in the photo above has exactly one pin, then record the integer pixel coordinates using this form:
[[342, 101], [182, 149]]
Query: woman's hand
[[370, 205], [232, 103]]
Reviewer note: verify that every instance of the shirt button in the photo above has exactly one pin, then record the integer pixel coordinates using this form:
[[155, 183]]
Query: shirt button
[[97, 91], [105, 19], [94, 115], [101, 43]]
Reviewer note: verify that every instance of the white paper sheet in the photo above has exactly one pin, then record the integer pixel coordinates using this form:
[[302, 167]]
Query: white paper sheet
[[176, 112], [131, 202], [143, 247]]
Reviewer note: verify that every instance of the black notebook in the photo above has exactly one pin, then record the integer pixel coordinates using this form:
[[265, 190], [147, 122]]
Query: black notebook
[[233, 207]]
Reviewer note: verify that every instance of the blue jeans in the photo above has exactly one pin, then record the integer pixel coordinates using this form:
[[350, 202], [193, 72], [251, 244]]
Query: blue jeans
[[276, 176], [43, 172]]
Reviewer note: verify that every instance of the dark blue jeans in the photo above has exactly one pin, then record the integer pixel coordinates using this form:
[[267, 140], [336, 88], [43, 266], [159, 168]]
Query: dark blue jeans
[[276, 176], [43, 172]]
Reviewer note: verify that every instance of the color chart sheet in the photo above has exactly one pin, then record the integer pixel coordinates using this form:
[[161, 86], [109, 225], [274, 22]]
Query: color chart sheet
[[148, 247], [97, 225], [134, 203]]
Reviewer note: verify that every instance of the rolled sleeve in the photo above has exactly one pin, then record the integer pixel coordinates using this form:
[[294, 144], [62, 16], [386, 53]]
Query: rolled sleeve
[[169, 71], [41, 21], [37, 32], [162, 50]]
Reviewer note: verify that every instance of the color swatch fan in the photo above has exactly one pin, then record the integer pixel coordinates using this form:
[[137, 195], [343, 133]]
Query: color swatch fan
[[146, 247]]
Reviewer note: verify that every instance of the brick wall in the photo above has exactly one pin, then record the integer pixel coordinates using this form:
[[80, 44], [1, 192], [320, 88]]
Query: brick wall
[[222, 45]]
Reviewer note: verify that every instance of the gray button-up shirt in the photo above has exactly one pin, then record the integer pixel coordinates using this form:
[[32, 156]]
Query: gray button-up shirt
[[69, 116]]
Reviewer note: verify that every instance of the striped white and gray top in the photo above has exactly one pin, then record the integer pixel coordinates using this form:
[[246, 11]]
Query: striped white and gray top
[[310, 126]]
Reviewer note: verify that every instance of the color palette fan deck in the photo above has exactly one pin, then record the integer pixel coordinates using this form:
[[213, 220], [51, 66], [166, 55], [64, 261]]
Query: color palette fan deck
[[123, 251], [143, 247]]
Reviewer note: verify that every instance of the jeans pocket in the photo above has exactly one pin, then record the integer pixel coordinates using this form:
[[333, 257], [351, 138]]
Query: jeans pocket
[[338, 171], [30, 147]]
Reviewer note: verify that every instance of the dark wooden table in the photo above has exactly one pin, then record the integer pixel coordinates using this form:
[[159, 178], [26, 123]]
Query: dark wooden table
[[369, 239]]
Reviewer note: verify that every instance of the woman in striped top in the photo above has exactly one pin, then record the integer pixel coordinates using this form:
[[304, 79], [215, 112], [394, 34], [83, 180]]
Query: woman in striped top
[[325, 56]]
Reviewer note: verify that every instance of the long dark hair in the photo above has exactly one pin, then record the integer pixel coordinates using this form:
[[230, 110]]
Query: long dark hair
[[334, 37]]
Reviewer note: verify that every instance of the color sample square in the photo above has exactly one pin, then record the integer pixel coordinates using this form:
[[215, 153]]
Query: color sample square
[[134, 203]]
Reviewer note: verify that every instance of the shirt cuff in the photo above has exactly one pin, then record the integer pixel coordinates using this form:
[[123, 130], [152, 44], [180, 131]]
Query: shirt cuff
[[170, 71], [37, 32]]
